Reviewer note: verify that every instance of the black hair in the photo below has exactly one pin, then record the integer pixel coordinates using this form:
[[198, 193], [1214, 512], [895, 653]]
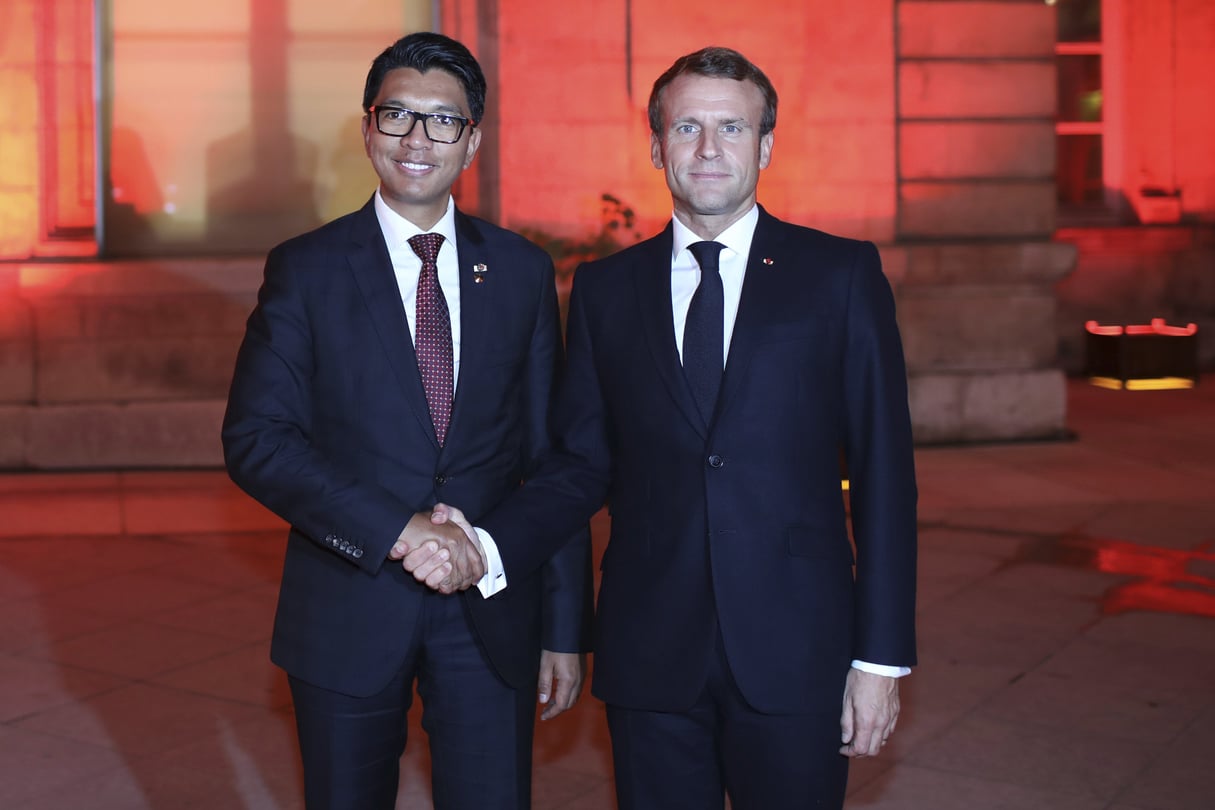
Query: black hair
[[424, 51]]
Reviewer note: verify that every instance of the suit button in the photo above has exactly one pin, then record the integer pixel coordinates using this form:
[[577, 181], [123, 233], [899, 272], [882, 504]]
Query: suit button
[[716, 461], [440, 480], [358, 552]]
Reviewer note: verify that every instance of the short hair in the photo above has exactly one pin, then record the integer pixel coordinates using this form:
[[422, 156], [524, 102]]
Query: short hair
[[424, 51], [719, 63]]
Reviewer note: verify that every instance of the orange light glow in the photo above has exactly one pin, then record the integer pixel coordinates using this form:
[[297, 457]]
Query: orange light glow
[[1156, 327]]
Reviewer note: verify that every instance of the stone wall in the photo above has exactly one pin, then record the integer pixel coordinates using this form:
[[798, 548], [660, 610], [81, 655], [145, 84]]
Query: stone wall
[[119, 364], [975, 219]]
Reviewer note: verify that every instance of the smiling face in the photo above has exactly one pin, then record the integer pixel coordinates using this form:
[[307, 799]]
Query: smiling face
[[416, 174], [711, 150]]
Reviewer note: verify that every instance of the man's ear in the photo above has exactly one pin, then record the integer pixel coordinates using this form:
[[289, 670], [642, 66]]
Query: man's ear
[[656, 150], [765, 150], [474, 143]]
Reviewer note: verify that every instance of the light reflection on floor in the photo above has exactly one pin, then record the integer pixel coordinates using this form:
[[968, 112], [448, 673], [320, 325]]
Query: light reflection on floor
[[1161, 578]]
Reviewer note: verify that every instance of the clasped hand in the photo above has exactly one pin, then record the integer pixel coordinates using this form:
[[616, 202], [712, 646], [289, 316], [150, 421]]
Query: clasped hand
[[441, 550]]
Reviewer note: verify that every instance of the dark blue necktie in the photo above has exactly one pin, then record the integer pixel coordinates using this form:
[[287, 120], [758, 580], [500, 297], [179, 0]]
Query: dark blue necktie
[[703, 333]]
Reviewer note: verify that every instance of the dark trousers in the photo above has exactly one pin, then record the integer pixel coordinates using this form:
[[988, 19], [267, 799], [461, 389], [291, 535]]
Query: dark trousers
[[690, 760], [479, 729]]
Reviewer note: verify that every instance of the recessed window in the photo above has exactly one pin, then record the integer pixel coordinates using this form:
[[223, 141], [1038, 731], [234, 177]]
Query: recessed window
[[1080, 118]]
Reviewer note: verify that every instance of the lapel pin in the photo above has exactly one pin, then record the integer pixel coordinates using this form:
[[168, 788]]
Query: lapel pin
[[768, 261], [479, 271]]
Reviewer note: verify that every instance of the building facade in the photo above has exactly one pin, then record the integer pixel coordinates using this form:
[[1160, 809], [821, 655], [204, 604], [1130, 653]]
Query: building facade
[[1023, 166]]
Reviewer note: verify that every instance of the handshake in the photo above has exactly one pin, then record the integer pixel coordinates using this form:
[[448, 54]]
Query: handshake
[[441, 550]]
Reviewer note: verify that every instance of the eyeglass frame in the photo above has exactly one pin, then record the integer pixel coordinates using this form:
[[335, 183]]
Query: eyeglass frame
[[374, 110]]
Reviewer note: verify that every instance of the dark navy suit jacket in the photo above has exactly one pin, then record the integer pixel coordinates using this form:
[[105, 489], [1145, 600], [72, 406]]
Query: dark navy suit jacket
[[739, 523], [327, 425]]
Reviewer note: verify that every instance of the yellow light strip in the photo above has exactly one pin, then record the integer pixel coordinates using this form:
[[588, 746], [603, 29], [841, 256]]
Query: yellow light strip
[[1146, 384]]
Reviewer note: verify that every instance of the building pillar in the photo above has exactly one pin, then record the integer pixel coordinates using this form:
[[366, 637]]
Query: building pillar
[[975, 259]]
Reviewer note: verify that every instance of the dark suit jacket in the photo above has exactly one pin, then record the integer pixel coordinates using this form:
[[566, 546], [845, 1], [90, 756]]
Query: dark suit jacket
[[740, 522], [327, 425]]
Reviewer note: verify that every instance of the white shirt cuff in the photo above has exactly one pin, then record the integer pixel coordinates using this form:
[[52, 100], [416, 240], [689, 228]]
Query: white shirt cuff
[[495, 576], [881, 669]]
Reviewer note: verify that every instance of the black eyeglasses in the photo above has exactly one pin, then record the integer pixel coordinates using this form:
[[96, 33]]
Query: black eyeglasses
[[439, 127]]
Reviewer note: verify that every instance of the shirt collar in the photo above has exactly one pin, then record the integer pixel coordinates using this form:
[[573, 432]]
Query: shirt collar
[[737, 237], [397, 229]]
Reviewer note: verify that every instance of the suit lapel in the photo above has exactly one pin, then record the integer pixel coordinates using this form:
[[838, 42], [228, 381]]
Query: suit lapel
[[762, 287], [475, 311], [372, 269], [652, 281]]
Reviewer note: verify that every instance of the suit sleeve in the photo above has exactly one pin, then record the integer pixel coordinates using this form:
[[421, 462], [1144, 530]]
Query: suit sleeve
[[567, 604], [571, 482], [267, 431], [879, 452]]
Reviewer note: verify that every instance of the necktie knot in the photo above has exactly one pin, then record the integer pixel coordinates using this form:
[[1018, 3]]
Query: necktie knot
[[427, 245], [706, 255]]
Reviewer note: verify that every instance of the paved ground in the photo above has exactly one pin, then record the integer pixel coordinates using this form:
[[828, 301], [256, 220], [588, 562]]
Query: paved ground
[[1067, 620]]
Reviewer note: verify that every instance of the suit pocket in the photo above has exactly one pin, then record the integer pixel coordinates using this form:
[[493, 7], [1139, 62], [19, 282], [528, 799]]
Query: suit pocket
[[803, 329], [820, 542]]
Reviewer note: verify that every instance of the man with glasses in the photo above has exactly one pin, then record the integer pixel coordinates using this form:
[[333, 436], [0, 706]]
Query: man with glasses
[[401, 355]]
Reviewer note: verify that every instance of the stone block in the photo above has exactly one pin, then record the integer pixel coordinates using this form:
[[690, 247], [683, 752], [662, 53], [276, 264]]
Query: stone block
[[977, 209], [976, 29], [18, 216], [856, 210], [935, 401], [127, 331], [985, 149], [17, 42], [110, 435], [987, 89], [894, 265], [134, 368], [1015, 262], [1024, 405], [16, 352], [977, 328], [992, 406], [14, 420], [148, 316]]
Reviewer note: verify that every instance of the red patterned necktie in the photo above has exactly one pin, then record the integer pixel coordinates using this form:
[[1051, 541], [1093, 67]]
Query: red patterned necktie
[[432, 338]]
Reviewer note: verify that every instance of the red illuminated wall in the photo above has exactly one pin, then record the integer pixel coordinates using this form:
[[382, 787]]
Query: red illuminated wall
[[1168, 100], [567, 117], [572, 96]]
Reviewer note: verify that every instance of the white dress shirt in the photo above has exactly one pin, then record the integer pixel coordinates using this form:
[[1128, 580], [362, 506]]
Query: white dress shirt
[[407, 266]]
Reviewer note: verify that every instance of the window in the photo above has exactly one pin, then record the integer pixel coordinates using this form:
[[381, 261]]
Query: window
[[1080, 120]]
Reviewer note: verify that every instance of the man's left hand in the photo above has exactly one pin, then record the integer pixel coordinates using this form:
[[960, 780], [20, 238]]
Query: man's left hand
[[871, 710], [561, 676]]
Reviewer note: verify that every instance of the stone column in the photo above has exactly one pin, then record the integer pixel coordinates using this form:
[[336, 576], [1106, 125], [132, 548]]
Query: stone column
[[19, 181], [976, 215]]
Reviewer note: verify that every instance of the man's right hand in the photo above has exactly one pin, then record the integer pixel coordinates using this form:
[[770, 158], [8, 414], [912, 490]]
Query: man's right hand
[[441, 556]]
